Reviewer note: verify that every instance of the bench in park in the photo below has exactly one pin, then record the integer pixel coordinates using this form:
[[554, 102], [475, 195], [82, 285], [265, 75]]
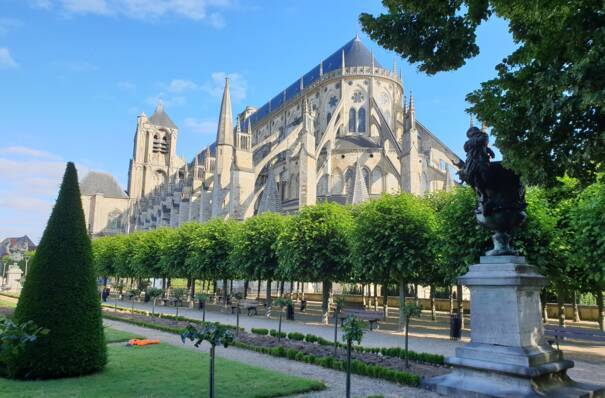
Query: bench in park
[[250, 305], [557, 333], [372, 317]]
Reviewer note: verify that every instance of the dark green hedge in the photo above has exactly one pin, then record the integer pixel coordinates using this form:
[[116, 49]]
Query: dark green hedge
[[261, 331], [60, 294]]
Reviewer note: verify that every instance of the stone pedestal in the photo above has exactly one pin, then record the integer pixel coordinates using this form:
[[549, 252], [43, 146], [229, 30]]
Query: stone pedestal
[[508, 355], [13, 278]]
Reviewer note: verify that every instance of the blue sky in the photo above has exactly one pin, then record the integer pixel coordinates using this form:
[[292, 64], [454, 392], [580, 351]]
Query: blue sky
[[74, 74]]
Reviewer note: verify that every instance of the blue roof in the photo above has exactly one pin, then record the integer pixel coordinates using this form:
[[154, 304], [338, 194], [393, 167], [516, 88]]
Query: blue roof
[[356, 54]]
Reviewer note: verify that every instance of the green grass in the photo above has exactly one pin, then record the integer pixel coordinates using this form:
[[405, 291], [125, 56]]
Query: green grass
[[118, 336], [8, 304], [163, 371]]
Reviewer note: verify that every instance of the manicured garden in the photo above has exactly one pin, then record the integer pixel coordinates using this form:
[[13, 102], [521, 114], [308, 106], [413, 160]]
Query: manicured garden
[[160, 371]]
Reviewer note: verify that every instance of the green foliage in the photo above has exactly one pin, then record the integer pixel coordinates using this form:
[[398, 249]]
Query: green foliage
[[213, 333], [202, 298], [546, 104], [282, 302], [315, 244], [14, 338], [209, 250], [275, 333], [254, 249], [588, 223], [178, 294], [154, 292], [133, 293], [393, 238], [260, 331], [352, 329], [296, 336], [60, 294], [409, 311]]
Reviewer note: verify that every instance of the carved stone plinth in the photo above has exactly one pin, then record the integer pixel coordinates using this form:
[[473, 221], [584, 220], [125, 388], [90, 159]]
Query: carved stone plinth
[[508, 355]]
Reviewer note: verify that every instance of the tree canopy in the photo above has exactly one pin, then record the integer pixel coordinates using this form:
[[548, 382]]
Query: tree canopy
[[545, 105]]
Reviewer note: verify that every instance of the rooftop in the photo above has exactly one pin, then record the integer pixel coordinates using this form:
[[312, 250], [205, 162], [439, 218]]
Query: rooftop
[[101, 183]]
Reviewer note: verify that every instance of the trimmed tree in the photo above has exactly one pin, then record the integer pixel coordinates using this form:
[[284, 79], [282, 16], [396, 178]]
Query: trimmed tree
[[394, 235], [254, 250], [60, 294], [315, 246]]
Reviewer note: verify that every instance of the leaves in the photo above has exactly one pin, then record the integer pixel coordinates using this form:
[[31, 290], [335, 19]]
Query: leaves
[[213, 333], [352, 329]]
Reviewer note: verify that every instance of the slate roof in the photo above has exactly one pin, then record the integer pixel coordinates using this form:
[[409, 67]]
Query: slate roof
[[101, 183], [354, 142], [161, 118], [14, 242], [356, 54]]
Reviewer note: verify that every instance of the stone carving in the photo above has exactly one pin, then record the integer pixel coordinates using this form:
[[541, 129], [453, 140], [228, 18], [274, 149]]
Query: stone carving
[[500, 194]]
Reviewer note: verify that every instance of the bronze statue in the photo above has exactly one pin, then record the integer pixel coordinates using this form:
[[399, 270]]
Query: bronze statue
[[500, 194]]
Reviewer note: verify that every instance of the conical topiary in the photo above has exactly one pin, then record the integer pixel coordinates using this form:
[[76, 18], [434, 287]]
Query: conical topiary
[[60, 294]]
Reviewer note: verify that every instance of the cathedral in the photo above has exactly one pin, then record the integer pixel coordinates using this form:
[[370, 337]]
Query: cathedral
[[343, 132]]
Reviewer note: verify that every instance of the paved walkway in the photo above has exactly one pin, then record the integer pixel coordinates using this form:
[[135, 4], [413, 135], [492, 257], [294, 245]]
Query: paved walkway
[[589, 360], [334, 380]]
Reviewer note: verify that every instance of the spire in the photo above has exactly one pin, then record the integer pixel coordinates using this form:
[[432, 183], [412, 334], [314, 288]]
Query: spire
[[394, 66], [472, 124], [305, 106], [302, 85], [238, 128], [412, 111], [360, 190], [342, 62], [249, 129], [321, 67], [160, 118], [357, 38], [224, 134], [270, 200]]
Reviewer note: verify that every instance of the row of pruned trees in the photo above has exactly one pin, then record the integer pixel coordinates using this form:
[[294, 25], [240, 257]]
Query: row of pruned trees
[[397, 239]]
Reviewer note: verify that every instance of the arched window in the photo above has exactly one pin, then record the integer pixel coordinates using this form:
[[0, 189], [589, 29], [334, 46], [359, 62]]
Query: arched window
[[336, 182], [349, 181], [361, 123], [322, 186], [366, 178], [352, 120], [377, 181]]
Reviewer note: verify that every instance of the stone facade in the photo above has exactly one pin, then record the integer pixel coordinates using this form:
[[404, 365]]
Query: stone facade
[[343, 132]]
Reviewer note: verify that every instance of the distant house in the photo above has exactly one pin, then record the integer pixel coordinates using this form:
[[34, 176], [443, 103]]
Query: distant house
[[15, 243]]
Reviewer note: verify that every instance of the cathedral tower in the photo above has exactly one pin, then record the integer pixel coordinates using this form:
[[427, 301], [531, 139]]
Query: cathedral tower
[[224, 156]]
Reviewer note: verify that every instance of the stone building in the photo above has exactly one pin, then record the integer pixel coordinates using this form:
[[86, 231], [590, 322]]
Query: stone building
[[342, 132]]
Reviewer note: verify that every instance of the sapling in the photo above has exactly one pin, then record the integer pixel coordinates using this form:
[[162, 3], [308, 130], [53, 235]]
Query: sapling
[[202, 300], [281, 302], [409, 311], [154, 293], [339, 304], [214, 334], [352, 330], [177, 295], [132, 294]]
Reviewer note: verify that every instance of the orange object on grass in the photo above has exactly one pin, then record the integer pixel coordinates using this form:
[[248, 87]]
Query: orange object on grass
[[144, 342]]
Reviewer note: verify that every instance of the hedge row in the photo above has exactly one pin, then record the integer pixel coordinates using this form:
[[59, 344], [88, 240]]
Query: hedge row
[[357, 367]]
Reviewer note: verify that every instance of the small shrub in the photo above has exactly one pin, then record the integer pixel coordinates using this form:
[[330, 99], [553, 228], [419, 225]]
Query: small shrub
[[260, 331], [291, 353], [310, 338], [274, 333], [300, 356], [296, 336]]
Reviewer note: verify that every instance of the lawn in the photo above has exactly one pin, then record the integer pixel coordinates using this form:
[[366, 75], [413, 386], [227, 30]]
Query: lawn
[[7, 304], [118, 336], [164, 371]]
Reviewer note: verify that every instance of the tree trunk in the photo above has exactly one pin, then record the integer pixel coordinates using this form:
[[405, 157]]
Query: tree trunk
[[601, 310], [281, 288], [348, 388], [231, 287], [211, 386], [576, 310], [225, 292], [258, 290], [385, 301], [433, 310], [281, 311], [375, 296], [268, 300], [451, 300], [291, 288], [416, 294], [460, 305], [561, 306], [401, 304], [326, 287], [246, 289], [407, 324], [163, 283], [192, 288], [168, 283], [335, 332], [363, 294], [214, 286], [544, 306]]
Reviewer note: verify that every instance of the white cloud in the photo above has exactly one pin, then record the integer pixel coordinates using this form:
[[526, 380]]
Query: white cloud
[[200, 126], [168, 101], [6, 60], [147, 10], [30, 182], [180, 85], [237, 85]]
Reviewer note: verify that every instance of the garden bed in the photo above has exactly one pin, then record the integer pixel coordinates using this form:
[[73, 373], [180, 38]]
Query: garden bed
[[267, 343]]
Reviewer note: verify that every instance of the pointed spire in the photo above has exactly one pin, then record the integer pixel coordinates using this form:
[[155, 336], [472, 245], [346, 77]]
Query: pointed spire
[[160, 118], [238, 128], [160, 106], [360, 190], [357, 38], [472, 123], [321, 67], [301, 85], [224, 134], [305, 106], [342, 62], [249, 129], [394, 66], [270, 200], [412, 111]]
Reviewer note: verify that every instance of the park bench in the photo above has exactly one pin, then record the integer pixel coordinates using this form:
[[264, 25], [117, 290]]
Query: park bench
[[372, 317], [250, 305], [556, 333]]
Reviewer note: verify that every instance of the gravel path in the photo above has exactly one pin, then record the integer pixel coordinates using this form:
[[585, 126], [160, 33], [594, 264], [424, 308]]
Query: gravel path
[[334, 380]]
